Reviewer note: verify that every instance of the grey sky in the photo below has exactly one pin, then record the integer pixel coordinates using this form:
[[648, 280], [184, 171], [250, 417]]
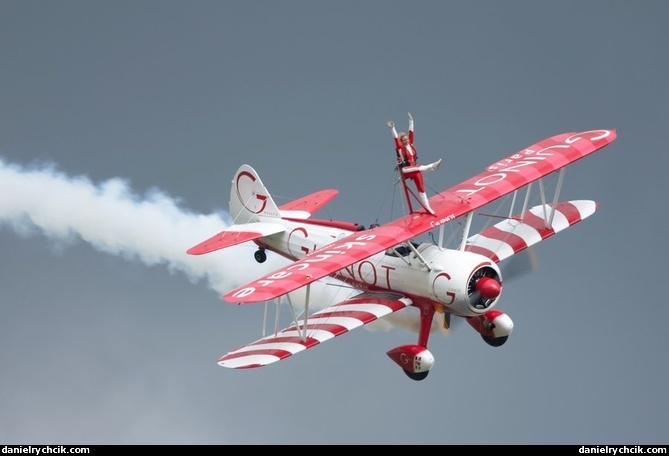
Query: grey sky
[[105, 339]]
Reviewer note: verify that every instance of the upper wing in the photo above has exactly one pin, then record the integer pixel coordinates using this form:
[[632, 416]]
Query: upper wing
[[308, 205], [236, 234], [498, 180], [321, 326], [518, 170], [514, 235]]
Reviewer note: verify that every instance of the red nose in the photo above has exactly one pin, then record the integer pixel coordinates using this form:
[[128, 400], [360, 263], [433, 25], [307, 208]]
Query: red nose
[[488, 287]]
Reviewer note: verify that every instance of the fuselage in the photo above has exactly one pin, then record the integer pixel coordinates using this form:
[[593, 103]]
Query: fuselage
[[423, 271]]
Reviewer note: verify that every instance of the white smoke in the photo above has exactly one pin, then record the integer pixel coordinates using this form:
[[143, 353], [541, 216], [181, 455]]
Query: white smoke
[[152, 228]]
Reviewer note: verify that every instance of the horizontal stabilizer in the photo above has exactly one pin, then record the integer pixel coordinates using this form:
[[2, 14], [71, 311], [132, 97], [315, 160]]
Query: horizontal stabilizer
[[514, 235], [321, 326], [308, 205], [236, 234]]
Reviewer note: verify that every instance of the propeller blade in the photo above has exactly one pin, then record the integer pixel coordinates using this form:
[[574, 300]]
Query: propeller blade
[[444, 323], [520, 264]]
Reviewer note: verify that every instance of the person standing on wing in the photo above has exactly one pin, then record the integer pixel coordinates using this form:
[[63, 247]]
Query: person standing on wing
[[407, 160]]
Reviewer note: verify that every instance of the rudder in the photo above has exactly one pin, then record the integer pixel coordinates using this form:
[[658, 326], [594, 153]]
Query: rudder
[[249, 199]]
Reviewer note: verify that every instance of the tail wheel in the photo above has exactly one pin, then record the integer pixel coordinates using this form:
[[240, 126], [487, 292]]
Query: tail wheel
[[260, 255]]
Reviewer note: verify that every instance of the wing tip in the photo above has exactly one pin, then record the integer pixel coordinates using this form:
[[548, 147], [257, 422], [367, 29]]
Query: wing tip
[[243, 366], [196, 250]]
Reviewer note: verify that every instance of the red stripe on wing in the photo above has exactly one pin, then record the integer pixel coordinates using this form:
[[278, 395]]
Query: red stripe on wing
[[483, 251], [280, 346], [308, 342], [514, 241], [570, 211], [334, 329], [538, 223]]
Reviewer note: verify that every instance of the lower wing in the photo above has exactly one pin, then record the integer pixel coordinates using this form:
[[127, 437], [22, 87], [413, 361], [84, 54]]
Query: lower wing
[[514, 235], [323, 325]]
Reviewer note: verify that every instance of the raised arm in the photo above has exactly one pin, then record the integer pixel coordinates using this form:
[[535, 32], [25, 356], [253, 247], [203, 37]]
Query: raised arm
[[391, 125], [398, 144]]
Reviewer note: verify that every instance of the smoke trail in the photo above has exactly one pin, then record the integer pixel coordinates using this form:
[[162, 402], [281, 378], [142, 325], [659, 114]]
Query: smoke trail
[[152, 229]]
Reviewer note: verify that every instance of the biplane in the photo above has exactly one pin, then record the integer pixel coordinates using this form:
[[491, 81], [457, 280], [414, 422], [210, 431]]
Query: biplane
[[388, 268]]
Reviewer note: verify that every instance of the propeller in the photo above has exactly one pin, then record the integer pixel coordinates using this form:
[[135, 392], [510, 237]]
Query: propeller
[[520, 264], [443, 320], [483, 288]]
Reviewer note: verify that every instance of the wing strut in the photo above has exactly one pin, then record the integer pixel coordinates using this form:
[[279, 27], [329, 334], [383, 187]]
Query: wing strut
[[548, 217], [420, 257], [441, 237], [557, 195], [513, 203], [292, 311], [276, 317], [465, 231], [306, 313], [526, 202], [303, 332], [543, 201], [264, 319]]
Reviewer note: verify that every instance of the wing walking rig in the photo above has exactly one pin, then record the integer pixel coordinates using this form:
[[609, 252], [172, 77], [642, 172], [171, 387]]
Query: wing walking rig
[[385, 265]]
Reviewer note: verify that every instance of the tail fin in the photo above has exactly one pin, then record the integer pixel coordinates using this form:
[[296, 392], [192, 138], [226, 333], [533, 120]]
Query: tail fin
[[256, 215], [249, 199]]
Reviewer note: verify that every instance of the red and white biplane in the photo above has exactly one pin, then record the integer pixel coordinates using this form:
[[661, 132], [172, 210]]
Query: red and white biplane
[[386, 269]]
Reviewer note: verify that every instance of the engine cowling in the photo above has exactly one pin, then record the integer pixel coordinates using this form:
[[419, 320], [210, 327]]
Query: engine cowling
[[467, 283]]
